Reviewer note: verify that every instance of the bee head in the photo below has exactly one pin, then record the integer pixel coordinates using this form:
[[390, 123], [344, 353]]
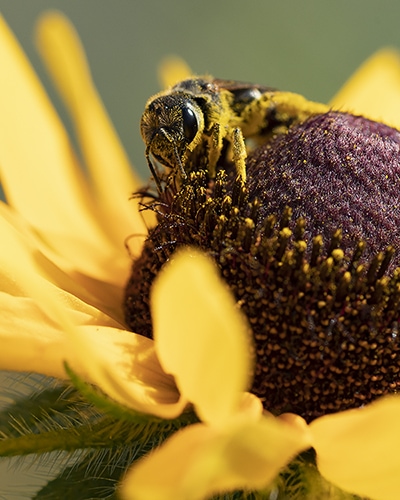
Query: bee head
[[171, 127]]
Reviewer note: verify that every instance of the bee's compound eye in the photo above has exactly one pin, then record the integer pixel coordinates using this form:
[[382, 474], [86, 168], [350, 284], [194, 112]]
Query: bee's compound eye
[[190, 123]]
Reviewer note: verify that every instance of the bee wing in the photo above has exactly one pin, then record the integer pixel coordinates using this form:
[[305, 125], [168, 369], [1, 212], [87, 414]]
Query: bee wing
[[237, 87], [243, 93]]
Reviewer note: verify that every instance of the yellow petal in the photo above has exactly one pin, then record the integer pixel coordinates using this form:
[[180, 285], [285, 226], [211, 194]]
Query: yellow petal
[[40, 175], [250, 406], [106, 296], [39, 172], [124, 365], [30, 333], [25, 259], [200, 461], [172, 70], [358, 450], [374, 90], [30, 341], [23, 276], [201, 336], [105, 158], [31, 282], [257, 450], [121, 363]]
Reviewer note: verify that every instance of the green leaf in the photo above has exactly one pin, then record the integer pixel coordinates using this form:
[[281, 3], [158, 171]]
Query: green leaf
[[102, 439], [88, 479]]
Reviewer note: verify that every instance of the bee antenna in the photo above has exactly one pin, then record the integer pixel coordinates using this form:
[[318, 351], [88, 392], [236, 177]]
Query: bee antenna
[[179, 162], [152, 169]]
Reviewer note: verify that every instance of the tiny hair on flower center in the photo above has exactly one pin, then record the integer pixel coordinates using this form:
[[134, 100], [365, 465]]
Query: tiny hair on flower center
[[310, 248]]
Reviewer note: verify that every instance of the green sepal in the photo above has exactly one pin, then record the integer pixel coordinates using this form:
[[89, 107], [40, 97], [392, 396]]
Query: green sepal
[[102, 439], [42, 420], [40, 407], [301, 480], [118, 411], [69, 418]]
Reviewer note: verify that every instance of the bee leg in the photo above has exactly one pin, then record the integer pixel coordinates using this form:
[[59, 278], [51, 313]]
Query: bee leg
[[275, 109], [153, 171], [215, 148], [239, 153], [294, 108]]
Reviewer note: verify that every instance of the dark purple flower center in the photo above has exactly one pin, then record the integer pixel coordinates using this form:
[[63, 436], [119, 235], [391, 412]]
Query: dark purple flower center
[[336, 171], [303, 247]]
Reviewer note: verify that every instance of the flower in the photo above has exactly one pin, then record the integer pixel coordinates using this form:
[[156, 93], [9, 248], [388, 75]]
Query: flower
[[336, 347], [63, 270]]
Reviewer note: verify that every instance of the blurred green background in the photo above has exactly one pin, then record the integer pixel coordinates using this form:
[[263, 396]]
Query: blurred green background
[[308, 46]]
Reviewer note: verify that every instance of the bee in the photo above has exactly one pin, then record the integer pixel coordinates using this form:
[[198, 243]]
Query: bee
[[199, 121]]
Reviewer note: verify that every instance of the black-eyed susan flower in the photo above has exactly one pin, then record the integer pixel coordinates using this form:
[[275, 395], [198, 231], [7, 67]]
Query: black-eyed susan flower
[[311, 263], [63, 272]]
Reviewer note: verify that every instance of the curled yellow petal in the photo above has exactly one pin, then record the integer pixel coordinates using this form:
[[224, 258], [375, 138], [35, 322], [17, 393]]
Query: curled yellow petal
[[200, 461], [124, 365], [358, 450], [250, 406], [105, 157], [374, 89], [201, 336]]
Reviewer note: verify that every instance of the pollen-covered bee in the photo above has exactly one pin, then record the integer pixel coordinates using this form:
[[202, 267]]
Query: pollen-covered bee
[[192, 124]]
